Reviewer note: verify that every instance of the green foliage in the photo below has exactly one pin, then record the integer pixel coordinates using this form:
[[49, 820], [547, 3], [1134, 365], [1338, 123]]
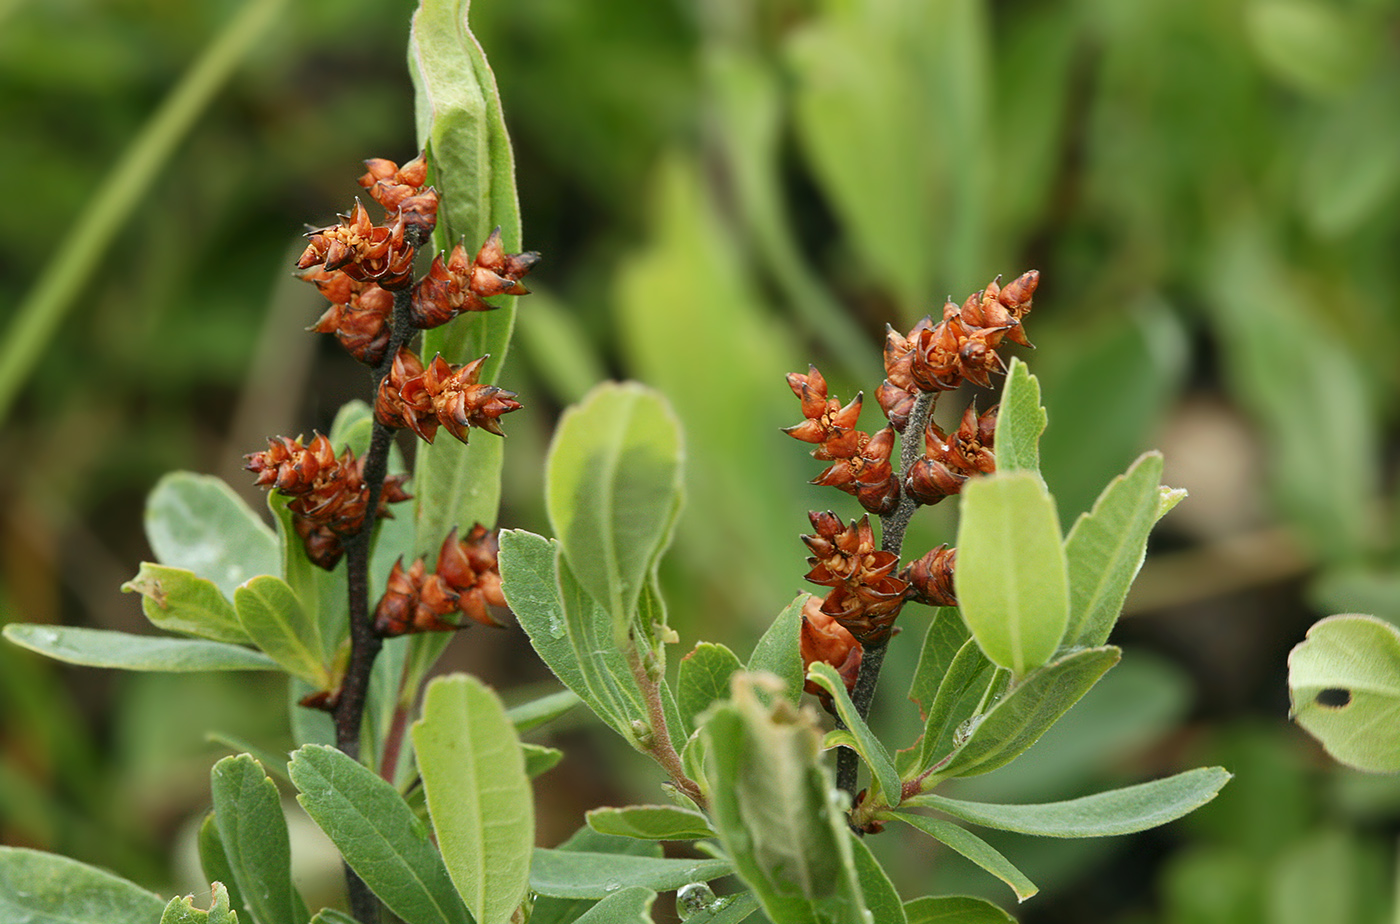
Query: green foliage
[[651, 822], [588, 874], [178, 600], [182, 910], [196, 522], [121, 650], [41, 888], [253, 835], [1344, 680]]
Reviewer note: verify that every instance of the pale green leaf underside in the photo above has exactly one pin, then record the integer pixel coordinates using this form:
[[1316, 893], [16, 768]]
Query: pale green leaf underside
[[44, 888], [651, 822], [1020, 421], [198, 523], [1344, 681], [123, 651], [955, 909], [178, 600], [583, 874], [975, 849]]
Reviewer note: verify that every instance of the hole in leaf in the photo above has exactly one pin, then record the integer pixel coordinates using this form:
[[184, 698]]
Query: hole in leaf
[[1333, 697]]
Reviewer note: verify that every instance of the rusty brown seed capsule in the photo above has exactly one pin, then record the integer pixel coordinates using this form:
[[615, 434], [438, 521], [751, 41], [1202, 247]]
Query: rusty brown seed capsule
[[931, 577], [469, 566]]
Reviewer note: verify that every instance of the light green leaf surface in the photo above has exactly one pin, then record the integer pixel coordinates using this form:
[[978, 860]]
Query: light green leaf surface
[[120, 650], [253, 832], [459, 122], [181, 910], [778, 651], [946, 635], [1026, 711], [378, 835], [1119, 811], [537, 712], [881, 897], [866, 744], [213, 860], [1011, 578], [955, 909], [332, 916], [1105, 549], [651, 822], [727, 909], [613, 490], [1020, 421], [1344, 683], [178, 600], [571, 633], [703, 679], [585, 874], [958, 696], [44, 888], [552, 910], [273, 617], [198, 523], [273, 762], [321, 592], [777, 814], [478, 794], [975, 849], [631, 905]]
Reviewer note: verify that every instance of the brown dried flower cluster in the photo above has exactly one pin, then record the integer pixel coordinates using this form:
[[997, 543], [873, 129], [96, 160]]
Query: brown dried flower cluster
[[418, 399], [456, 285], [466, 581], [826, 641], [949, 460], [329, 495], [860, 462], [865, 595]]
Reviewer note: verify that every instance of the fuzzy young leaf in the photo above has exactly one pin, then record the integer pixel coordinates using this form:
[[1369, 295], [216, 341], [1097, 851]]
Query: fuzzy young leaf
[[471, 164], [778, 651], [378, 834], [651, 822], [1020, 421], [1119, 811], [703, 679], [613, 489], [274, 619], [1011, 577], [569, 630], [123, 651], [181, 910], [478, 794], [865, 743], [584, 874], [1105, 549], [178, 600], [1026, 712], [198, 523], [975, 849], [253, 832], [776, 811], [955, 909], [44, 888], [1344, 682]]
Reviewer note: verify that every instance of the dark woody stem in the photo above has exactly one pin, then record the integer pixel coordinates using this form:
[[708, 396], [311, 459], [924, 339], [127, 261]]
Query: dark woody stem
[[892, 527]]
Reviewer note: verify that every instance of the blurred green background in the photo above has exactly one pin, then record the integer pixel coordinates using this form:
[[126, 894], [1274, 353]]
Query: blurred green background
[[725, 191]]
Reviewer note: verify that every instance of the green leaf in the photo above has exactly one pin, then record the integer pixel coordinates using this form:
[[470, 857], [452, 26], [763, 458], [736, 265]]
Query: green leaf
[[253, 833], [537, 712], [1314, 46], [779, 651], [182, 910], [776, 811], [43, 888], [378, 834], [613, 489], [1020, 421], [729, 909], [955, 909], [321, 592], [214, 861], [550, 910], [703, 679], [460, 125], [104, 648], [881, 898], [539, 759], [866, 744], [273, 617], [1119, 811], [273, 762], [198, 523], [651, 822], [1344, 683], [178, 600], [958, 696], [583, 874], [631, 905], [1105, 549], [569, 630], [332, 916], [975, 849], [946, 635], [1011, 578], [1025, 712], [478, 794]]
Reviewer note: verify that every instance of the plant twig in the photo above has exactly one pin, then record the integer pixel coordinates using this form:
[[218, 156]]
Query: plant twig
[[661, 749]]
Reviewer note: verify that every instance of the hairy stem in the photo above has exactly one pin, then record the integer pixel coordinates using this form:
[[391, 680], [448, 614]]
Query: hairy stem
[[661, 749]]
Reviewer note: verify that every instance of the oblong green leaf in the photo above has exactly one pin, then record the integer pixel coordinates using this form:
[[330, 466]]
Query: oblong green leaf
[[1119, 811], [703, 679], [975, 849], [613, 490], [1344, 682], [44, 888], [253, 833], [631, 905], [539, 759], [123, 651], [178, 600], [881, 897], [214, 862], [1020, 421], [778, 650], [728, 909], [272, 615], [537, 712], [651, 822], [958, 696], [955, 909], [584, 874], [946, 635], [1105, 549], [866, 744], [1011, 579], [198, 523], [478, 795], [1025, 712], [378, 834]]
